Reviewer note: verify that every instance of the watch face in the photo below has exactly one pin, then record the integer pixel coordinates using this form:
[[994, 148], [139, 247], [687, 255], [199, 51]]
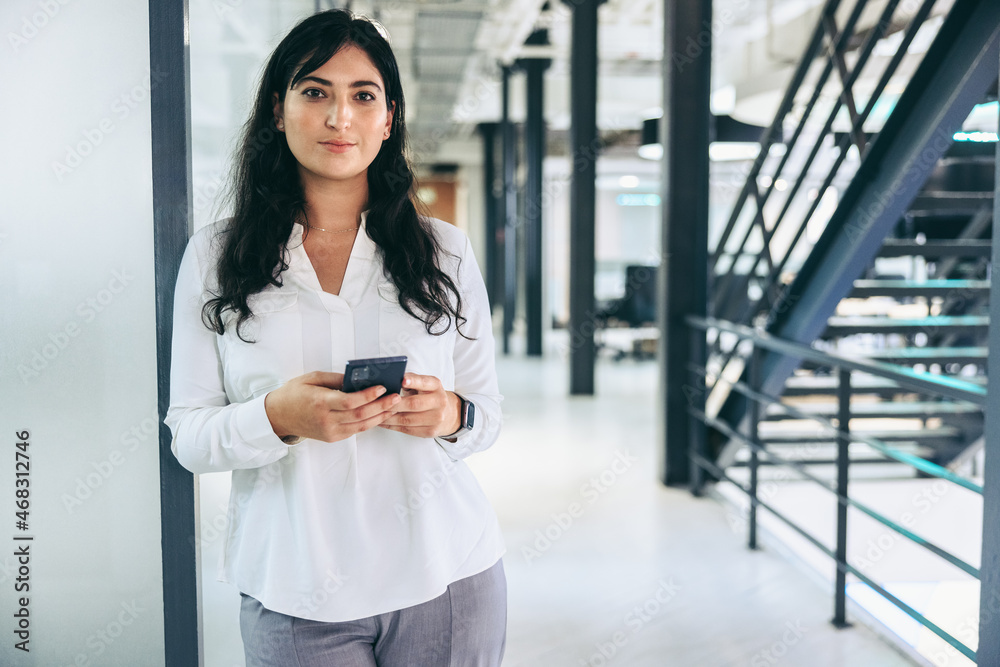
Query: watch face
[[470, 415]]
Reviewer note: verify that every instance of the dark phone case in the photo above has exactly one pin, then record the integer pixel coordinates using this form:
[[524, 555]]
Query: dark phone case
[[386, 371]]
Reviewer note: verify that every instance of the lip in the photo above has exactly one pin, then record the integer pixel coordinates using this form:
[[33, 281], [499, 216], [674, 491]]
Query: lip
[[337, 146]]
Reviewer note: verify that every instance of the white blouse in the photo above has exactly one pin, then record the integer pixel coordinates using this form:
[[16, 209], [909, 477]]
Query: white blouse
[[373, 523]]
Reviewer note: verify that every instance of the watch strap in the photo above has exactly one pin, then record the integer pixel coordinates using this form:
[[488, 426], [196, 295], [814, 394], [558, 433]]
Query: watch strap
[[468, 411]]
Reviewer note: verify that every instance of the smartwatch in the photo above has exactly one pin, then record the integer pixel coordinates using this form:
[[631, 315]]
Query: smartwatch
[[468, 420]]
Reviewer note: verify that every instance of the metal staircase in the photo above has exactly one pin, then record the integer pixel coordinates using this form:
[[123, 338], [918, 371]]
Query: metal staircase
[[936, 261], [848, 298], [908, 194]]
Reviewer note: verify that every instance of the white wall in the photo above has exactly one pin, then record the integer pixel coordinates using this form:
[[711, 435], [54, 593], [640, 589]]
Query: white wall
[[78, 354]]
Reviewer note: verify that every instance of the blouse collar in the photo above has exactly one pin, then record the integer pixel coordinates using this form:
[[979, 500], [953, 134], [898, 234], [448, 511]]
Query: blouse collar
[[359, 266]]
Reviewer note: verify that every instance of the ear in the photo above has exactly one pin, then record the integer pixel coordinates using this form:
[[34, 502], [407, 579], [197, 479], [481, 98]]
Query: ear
[[388, 120], [279, 117]]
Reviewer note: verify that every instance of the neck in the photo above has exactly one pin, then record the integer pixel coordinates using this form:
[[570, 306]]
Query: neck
[[335, 205]]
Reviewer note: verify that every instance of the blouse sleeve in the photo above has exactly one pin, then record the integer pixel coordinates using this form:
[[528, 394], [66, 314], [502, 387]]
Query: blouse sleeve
[[209, 433], [475, 363]]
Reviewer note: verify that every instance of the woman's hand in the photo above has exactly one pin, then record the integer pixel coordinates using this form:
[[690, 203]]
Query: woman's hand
[[426, 410], [312, 406]]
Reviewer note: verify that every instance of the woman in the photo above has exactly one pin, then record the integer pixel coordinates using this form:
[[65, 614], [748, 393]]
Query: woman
[[357, 534]]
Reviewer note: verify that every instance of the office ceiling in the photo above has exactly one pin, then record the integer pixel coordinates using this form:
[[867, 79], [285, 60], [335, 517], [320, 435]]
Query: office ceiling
[[450, 53]]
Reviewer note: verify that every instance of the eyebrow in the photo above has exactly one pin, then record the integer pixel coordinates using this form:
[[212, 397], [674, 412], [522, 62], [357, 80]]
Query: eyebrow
[[356, 84]]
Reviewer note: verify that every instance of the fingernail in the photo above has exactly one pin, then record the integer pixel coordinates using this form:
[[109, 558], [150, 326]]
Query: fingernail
[[380, 391], [396, 399]]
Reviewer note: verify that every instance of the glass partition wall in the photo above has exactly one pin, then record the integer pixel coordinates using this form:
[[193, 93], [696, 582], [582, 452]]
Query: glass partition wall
[[80, 560]]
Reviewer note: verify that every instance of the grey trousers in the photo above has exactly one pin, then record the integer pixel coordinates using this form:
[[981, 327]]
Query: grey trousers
[[466, 626]]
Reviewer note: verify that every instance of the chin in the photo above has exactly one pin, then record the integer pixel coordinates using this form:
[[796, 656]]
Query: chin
[[345, 177], [338, 174]]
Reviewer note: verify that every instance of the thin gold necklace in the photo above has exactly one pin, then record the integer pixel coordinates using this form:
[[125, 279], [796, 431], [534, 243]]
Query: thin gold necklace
[[333, 231], [330, 231]]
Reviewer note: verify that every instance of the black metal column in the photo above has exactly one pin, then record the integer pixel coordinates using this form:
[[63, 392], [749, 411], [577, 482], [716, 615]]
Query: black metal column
[[585, 145], [491, 201], [988, 652], [172, 214], [534, 140], [683, 275], [509, 216]]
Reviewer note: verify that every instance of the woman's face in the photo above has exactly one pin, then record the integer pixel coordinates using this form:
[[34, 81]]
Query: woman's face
[[335, 118]]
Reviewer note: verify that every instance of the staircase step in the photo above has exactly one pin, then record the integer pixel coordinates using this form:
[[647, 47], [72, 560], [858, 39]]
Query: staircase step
[[951, 202], [813, 385], [845, 326], [861, 384], [884, 410], [967, 150], [924, 355], [826, 454], [927, 288], [946, 436], [880, 460], [934, 249], [908, 356]]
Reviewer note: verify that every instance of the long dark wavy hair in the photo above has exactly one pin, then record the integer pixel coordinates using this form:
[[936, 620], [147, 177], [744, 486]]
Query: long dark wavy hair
[[267, 196]]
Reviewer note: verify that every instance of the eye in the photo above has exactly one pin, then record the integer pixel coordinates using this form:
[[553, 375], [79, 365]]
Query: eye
[[308, 92], [366, 96]]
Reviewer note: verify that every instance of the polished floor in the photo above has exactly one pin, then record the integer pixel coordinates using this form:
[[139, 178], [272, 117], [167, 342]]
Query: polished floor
[[605, 566]]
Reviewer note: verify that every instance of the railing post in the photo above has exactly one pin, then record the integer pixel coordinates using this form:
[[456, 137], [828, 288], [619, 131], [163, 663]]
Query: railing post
[[697, 431], [753, 376], [843, 461]]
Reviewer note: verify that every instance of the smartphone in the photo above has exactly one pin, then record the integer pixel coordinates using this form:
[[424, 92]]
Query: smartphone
[[386, 371]]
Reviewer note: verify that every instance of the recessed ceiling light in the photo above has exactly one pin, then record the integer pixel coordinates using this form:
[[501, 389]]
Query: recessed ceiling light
[[651, 151], [726, 151]]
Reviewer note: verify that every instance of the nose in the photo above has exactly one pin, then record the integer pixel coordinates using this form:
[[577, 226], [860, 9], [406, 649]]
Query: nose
[[339, 116]]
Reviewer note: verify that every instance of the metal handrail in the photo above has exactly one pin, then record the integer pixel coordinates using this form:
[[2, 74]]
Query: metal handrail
[[923, 383], [802, 469], [923, 465], [844, 567], [927, 383]]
